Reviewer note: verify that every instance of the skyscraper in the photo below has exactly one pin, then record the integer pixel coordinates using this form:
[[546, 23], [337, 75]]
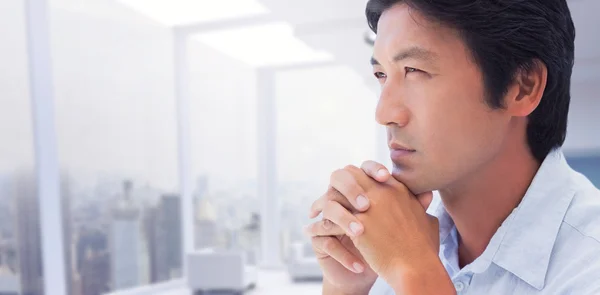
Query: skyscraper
[[206, 226], [28, 235], [9, 281], [65, 190], [125, 242], [93, 262], [164, 226], [150, 239], [95, 272]]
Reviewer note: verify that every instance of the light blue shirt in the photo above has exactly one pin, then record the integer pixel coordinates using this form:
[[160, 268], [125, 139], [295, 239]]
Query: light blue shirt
[[549, 244]]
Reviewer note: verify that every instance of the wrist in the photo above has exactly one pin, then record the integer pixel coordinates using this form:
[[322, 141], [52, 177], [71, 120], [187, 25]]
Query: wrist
[[330, 289], [427, 277]]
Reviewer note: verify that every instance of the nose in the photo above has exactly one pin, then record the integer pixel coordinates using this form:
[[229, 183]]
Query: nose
[[391, 108]]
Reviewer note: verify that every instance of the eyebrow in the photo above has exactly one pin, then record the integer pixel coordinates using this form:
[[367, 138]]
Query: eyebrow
[[413, 52]]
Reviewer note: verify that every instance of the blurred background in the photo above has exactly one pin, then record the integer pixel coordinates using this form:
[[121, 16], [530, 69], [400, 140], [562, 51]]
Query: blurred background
[[169, 147]]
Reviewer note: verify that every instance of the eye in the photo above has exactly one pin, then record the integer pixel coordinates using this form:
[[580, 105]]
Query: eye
[[411, 70], [380, 75]]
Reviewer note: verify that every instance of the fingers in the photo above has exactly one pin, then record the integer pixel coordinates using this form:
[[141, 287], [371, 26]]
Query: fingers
[[346, 190], [376, 171], [333, 248], [337, 214], [323, 228], [331, 195], [345, 182]]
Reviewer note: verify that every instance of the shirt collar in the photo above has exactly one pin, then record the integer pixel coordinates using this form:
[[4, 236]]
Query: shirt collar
[[523, 244]]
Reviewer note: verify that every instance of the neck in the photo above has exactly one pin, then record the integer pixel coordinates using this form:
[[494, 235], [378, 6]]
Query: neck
[[480, 204]]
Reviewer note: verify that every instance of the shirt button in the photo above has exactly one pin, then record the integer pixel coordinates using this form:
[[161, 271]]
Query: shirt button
[[459, 286]]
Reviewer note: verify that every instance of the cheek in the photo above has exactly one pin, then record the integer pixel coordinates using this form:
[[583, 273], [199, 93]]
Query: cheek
[[453, 121]]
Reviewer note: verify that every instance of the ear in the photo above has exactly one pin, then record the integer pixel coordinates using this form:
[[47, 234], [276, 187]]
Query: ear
[[527, 89]]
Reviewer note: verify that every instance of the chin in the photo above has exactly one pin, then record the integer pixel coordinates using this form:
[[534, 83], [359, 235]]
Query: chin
[[414, 181], [406, 177]]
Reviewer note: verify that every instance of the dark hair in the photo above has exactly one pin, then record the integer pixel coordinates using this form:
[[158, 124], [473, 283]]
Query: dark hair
[[507, 36]]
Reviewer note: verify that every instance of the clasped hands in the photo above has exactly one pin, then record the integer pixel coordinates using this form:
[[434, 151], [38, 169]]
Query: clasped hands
[[390, 232]]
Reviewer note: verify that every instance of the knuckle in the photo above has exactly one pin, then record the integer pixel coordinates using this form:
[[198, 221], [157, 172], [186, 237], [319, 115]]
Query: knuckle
[[354, 186], [335, 174], [331, 204], [351, 168], [316, 245], [329, 245], [314, 204], [329, 209], [311, 229], [314, 241], [336, 195], [331, 194], [367, 165]]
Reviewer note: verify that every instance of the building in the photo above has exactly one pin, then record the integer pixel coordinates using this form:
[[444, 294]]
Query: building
[[163, 231], [206, 230], [65, 190], [125, 242], [9, 281], [93, 263], [149, 220], [95, 270], [28, 235]]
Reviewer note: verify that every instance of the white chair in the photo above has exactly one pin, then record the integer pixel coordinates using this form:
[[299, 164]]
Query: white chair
[[220, 271], [303, 264]]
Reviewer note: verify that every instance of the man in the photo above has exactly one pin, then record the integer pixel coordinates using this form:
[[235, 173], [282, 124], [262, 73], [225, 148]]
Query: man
[[475, 97]]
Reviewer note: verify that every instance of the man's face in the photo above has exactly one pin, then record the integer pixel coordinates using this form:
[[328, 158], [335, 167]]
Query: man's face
[[440, 130]]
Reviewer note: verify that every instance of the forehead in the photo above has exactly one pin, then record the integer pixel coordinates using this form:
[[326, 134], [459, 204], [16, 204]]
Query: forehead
[[402, 27]]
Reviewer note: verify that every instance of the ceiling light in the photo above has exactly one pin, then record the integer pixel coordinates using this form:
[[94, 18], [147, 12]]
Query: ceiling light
[[182, 12], [272, 44]]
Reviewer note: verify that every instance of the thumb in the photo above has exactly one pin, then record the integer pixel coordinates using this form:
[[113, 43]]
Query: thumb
[[425, 199]]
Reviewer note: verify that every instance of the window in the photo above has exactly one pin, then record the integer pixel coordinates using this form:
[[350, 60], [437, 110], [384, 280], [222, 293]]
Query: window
[[117, 146], [223, 128], [326, 120], [21, 270]]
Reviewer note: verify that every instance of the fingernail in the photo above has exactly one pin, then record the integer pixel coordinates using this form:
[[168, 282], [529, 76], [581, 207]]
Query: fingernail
[[326, 224], [382, 173], [355, 228], [359, 268], [362, 202]]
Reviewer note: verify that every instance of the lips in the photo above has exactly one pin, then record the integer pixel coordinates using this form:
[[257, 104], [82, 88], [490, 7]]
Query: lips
[[398, 147], [399, 152]]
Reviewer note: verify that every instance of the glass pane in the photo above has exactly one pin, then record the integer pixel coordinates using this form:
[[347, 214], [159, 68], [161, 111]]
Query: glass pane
[[325, 122], [223, 119], [21, 270], [117, 145]]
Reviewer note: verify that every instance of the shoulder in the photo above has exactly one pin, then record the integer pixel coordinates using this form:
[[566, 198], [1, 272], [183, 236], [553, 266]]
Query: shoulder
[[575, 260], [583, 216]]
